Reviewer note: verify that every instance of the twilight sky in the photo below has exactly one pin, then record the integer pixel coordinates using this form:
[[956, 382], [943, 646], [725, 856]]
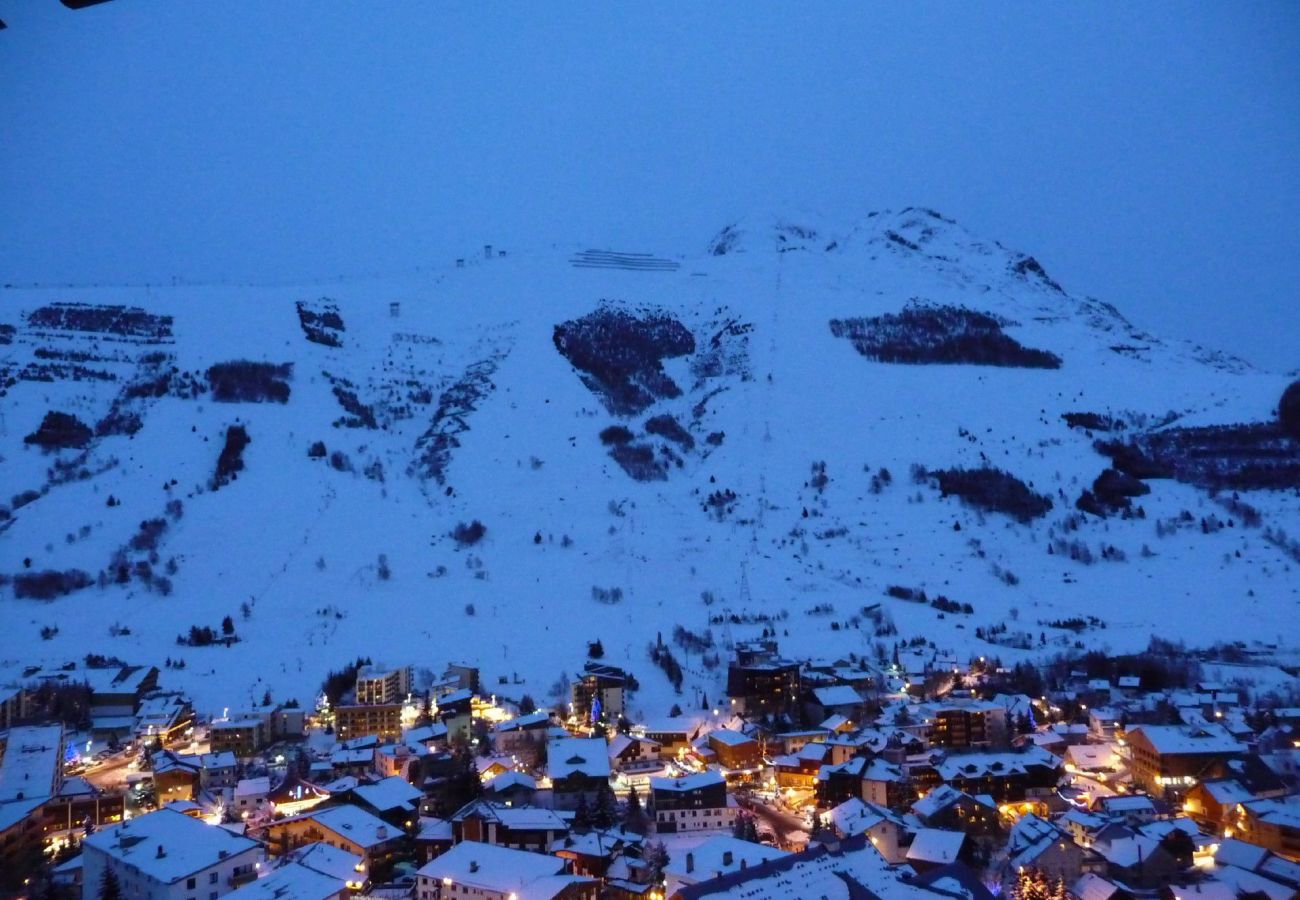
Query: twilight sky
[[1147, 154]]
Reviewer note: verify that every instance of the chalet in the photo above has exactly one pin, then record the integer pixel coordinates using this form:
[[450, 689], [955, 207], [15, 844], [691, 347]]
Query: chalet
[[1034, 843], [672, 735], [1271, 824], [1211, 804], [595, 853], [933, 848], [579, 769], [393, 799], [887, 831], [520, 827], [433, 837], [948, 808], [629, 751], [401, 760], [251, 797], [296, 881], [835, 700], [1131, 809], [691, 803], [489, 872], [347, 828], [800, 770], [1006, 776], [175, 776], [735, 750], [523, 736], [1168, 759], [512, 788]]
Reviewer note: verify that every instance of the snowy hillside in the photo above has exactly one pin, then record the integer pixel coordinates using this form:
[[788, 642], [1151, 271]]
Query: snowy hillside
[[637, 435]]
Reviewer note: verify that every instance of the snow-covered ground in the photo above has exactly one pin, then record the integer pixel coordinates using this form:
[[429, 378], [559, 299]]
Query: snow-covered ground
[[299, 541]]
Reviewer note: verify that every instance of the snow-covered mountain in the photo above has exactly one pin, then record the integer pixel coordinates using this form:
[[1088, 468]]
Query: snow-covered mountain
[[725, 439]]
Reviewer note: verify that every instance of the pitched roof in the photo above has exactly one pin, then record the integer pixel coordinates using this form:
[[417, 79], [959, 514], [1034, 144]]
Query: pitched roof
[[586, 756], [187, 845], [490, 867]]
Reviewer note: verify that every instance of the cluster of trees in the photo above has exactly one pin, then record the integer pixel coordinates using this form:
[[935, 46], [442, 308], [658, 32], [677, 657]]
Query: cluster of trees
[[663, 657], [60, 431], [245, 381], [467, 534], [924, 334], [321, 327], [621, 356], [993, 490]]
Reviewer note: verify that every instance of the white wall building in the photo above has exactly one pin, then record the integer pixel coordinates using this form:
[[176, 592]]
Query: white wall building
[[166, 855]]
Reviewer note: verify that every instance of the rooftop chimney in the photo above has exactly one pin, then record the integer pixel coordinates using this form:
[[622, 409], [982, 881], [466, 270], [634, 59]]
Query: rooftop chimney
[[473, 865], [690, 862], [726, 858], [161, 851]]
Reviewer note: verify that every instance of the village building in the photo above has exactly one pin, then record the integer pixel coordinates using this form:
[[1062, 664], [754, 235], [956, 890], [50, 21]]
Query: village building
[[697, 802], [167, 855]]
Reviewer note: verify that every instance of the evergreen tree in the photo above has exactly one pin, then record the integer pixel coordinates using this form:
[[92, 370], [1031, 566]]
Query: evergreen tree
[[109, 888], [582, 815], [602, 816], [227, 626], [655, 857], [635, 819]]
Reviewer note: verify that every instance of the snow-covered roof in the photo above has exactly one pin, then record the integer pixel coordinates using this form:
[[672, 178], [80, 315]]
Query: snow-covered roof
[[1188, 739], [837, 695], [855, 816], [518, 818], [710, 857], [167, 845], [351, 822], [512, 779], [326, 859], [939, 799], [688, 782], [32, 759], [291, 882], [223, 760], [253, 787], [934, 845], [434, 829], [389, 793], [489, 867], [540, 718], [730, 737], [588, 756]]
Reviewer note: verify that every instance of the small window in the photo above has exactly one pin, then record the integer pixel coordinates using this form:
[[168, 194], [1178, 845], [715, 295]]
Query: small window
[[212, 878], [191, 883]]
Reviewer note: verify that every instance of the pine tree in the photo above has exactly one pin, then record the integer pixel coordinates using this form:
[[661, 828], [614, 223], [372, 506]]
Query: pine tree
[[655, 857], [582, 815], [109, 889], [635, 819], [603, 814]]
